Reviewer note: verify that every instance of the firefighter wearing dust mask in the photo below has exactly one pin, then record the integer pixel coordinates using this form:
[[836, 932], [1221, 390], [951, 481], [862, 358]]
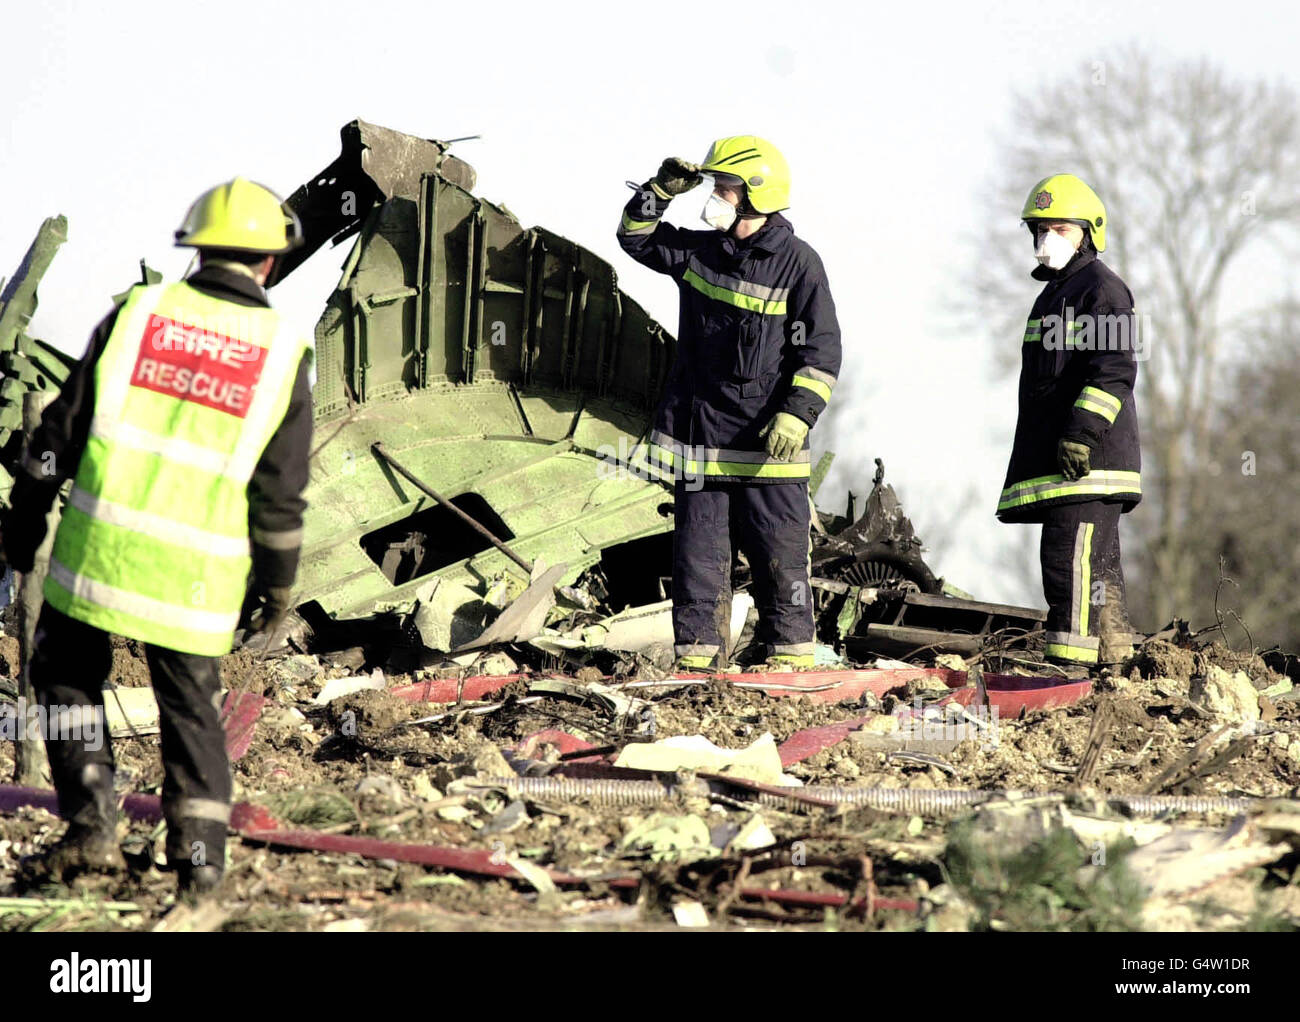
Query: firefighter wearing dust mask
[[757, 358], [1075, 464]]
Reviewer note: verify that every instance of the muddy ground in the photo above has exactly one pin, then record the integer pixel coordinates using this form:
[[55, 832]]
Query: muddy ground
[[359, 767]]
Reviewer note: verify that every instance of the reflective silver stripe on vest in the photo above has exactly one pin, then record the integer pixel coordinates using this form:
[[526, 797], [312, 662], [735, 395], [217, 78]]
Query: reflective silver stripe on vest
[[738, 285], [111, 393], [138, 605], [171, 448], [166, 529], [281, 367]]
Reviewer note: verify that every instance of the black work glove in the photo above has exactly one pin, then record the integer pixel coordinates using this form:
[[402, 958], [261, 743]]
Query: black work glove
[[1073, 457], [266, 609], [23, 534], [675, 177]]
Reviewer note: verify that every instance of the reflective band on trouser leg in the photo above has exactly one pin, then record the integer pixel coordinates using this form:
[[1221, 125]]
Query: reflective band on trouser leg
[[703, 657], [203, 809], [289, 539], [1066, 555], [1066, 646], [1077, 644], [154, 543], [1081, 570], [799, 654]]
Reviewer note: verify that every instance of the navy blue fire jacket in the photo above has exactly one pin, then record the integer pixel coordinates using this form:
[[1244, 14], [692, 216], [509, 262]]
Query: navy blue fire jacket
[[1077, 373], [757, 335]]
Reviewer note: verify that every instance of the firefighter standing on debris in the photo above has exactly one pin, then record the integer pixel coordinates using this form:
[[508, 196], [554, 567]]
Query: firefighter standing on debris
[[1075, 463], [758, 354], [185, 429]]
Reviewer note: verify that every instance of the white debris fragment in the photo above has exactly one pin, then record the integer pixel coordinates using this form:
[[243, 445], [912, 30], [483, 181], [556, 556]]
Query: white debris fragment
[[335, 688], [1232, 696], [690, 913]]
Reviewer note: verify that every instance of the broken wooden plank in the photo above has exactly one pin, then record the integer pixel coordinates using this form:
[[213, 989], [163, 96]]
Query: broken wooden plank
[[1098, 738]]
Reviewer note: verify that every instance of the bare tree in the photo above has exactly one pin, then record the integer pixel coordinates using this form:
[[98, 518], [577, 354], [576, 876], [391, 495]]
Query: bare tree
[[1250, 517], [1197, 170]]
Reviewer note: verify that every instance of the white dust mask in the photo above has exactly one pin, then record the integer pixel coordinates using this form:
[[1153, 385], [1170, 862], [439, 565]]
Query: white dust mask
[[1053, 251], [718, 213]]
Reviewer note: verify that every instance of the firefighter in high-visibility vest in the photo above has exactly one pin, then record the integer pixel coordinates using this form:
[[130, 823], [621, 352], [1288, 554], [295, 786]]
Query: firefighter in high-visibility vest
[[758, 355], [1075, 463], [185, 430]]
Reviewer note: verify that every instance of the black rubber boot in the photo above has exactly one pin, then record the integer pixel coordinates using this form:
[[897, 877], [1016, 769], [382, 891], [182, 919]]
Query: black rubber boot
[[197, 882], [754, 655], [82, 849]]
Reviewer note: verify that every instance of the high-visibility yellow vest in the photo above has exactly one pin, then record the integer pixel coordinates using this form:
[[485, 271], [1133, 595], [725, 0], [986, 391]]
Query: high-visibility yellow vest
[[154, 542]]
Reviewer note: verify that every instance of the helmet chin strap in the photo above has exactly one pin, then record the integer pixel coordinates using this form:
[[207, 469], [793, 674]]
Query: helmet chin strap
[[744, 212]]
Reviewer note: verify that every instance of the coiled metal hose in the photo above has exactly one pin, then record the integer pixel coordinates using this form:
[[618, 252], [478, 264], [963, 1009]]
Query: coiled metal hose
[[917, 801]]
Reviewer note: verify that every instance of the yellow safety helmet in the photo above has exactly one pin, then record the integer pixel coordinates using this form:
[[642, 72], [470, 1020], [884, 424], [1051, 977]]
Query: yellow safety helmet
[[240, 215], [758, 164], [1065, 197]]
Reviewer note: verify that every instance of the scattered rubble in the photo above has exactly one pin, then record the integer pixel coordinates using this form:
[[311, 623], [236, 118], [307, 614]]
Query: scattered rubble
[[380, 808]]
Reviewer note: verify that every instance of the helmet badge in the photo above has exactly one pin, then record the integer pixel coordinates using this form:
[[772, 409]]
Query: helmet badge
[[1042, 200]]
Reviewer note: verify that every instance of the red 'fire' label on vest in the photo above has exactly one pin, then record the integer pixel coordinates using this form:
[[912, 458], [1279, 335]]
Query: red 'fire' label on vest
[[193, 364]]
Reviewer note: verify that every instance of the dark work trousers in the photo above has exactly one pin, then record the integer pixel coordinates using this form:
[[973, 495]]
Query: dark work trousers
[[768, 523], [1083, 582], [70, 664]]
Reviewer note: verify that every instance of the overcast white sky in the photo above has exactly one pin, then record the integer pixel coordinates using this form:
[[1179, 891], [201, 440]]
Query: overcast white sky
[[119, 115]]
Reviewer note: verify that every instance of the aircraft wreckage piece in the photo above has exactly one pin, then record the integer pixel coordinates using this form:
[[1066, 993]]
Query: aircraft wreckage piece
[[497, 364], [877, 596], [26, 363]]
